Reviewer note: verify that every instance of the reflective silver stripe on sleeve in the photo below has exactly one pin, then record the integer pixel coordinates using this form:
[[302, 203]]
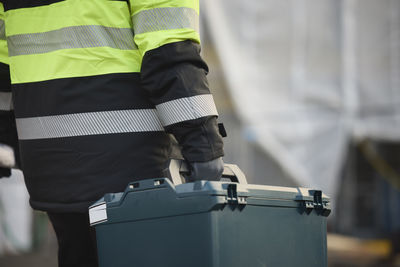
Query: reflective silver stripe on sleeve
[[84, 36], [165, 18], [2, 30], [187, 108], [5, 101], [91, 123]]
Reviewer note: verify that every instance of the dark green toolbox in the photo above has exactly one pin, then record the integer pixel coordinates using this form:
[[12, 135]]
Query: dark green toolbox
[[160, 223]]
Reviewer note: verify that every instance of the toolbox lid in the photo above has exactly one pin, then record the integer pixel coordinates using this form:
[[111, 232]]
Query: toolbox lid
[[249, 190], [155, 198]]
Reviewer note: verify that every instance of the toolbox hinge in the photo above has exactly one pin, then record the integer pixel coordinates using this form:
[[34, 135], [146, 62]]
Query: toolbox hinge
[[232, 196], [321, 207]]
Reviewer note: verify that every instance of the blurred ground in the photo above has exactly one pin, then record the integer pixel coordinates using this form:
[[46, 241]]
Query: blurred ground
[[344, 251], [44, 252], [45, 257]]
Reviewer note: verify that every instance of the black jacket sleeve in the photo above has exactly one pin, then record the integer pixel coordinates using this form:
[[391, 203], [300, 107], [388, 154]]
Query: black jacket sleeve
[[174, 75]]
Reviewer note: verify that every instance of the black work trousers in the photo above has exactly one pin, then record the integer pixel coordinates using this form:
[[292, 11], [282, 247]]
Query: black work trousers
[[76, 239]]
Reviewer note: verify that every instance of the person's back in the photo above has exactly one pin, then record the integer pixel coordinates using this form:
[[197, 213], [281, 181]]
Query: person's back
[[85, 125], [96, 84]]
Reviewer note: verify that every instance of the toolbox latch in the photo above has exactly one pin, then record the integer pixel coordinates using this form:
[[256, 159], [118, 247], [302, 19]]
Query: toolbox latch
[[233, 198], [321, 208]]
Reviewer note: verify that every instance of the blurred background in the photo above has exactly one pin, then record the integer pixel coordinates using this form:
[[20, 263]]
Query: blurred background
[[309, 93]]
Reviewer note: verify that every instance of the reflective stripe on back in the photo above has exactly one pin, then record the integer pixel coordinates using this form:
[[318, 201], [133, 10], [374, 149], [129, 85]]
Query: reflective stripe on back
[[91, 123], [71, 37]]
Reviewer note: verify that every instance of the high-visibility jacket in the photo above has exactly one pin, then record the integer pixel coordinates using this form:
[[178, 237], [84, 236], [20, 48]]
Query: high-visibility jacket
[[98, 88]]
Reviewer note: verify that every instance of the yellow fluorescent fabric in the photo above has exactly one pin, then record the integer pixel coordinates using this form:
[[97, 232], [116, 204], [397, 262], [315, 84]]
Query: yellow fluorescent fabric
[[158, 23], [3, 42], [66, 14], [70, 63], [72, 38], [153, 40], [139, 5], [163, 18]]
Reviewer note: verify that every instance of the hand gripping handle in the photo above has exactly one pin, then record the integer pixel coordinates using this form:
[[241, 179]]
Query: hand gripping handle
[[178, 168]]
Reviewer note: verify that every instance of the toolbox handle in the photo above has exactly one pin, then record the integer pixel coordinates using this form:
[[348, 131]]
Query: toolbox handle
[[178, 169]]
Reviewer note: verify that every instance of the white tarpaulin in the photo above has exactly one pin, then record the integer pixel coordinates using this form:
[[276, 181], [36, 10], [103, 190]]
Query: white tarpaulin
[[15, 215], [308, 75]]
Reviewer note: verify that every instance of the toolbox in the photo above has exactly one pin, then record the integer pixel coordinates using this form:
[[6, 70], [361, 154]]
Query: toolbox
[[164, 222]]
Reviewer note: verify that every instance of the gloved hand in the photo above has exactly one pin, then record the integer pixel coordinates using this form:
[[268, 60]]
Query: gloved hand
[[209, 170], [7, 160], [5, 172]]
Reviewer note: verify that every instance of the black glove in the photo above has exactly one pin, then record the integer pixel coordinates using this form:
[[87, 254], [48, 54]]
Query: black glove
[[7, 160], [209, 170], [5, 172]]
